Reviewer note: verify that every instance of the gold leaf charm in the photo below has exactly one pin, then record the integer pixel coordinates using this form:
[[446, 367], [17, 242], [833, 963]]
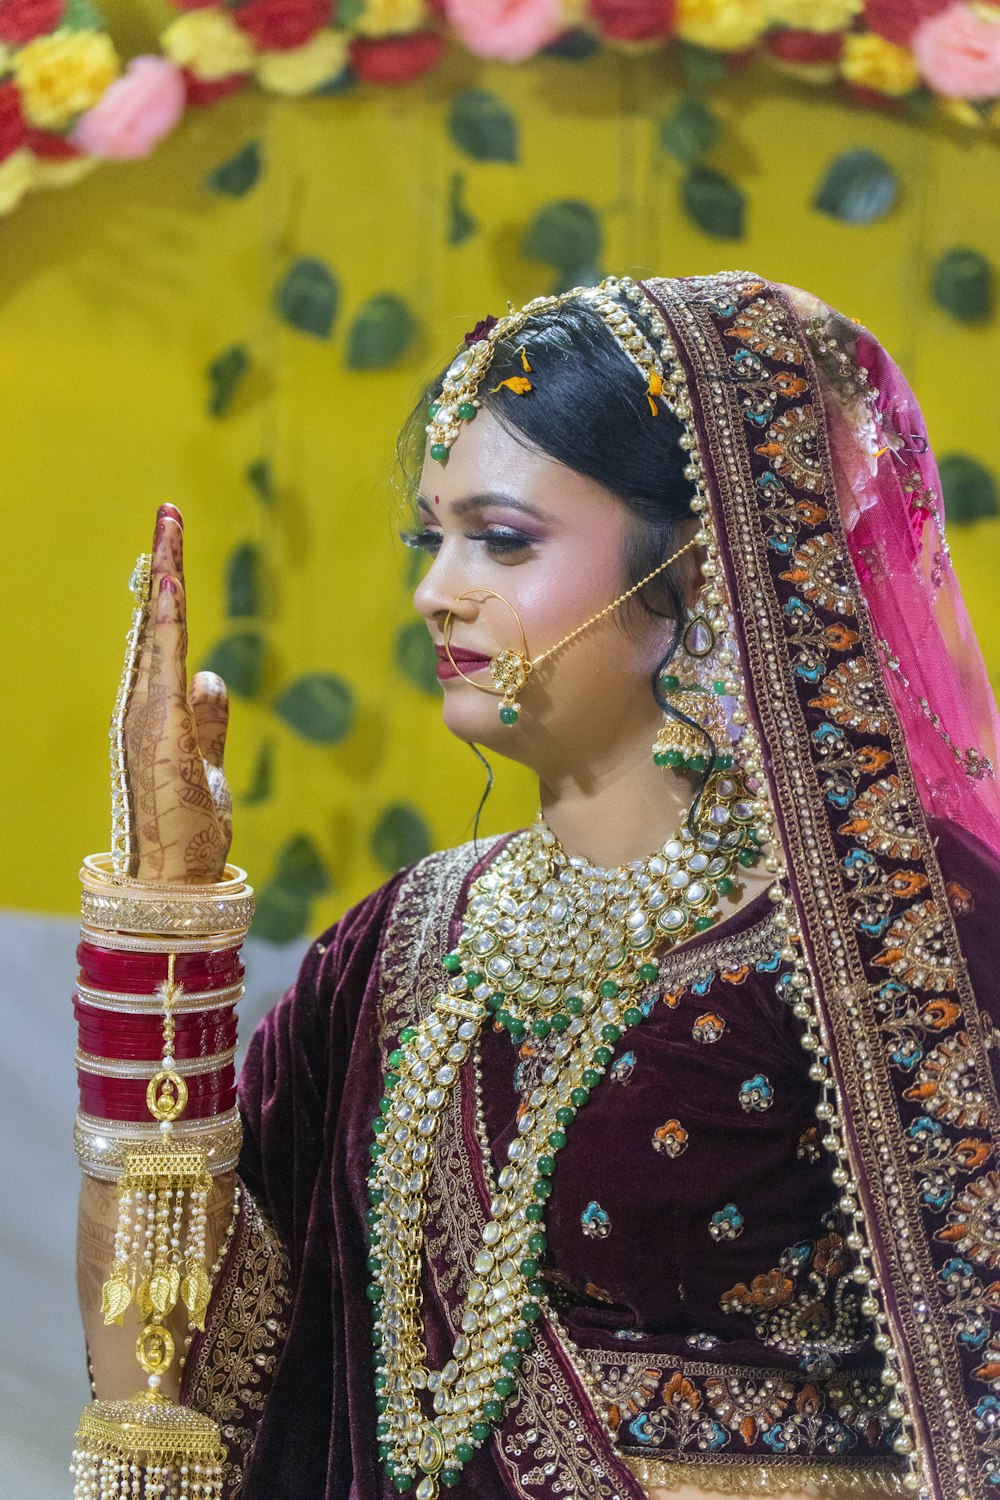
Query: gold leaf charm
[[196, 1290], [164, 1284], [116, 1295], [143, 1301]]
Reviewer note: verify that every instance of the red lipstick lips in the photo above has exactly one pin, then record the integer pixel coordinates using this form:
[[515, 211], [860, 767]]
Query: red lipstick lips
[[469, 661]]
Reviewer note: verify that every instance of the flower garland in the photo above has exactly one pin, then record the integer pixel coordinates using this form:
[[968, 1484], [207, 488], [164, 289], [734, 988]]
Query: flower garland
[[66, 102]]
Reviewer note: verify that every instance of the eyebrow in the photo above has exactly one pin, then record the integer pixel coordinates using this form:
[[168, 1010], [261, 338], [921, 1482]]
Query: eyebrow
[[489, 497]]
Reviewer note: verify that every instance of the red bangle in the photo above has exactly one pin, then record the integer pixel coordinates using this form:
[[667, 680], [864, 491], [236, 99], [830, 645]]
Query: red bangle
[[140, 973], [114, 1035], [125, 1098]]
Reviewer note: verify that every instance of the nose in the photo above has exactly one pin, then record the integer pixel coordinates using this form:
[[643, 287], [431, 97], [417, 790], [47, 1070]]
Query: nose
[[438, 590]]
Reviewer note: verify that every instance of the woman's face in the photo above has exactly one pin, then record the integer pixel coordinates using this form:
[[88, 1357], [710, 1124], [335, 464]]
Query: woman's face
[[504, 517]]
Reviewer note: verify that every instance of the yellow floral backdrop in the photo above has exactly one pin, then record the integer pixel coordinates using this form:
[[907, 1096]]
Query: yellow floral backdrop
[[166, 334]]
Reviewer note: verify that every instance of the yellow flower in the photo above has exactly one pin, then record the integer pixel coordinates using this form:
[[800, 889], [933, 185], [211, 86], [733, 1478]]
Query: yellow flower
[[873, 63], [390, 17], [299, 70], [17, 173], [62, 75], [814, 15], [724, 25], [209, 43]]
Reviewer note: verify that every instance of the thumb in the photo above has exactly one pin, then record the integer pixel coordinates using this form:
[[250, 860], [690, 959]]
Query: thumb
[[210, 709]]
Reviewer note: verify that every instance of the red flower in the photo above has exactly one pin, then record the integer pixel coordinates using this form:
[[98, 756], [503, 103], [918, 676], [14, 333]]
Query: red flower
[[51, 147], [277, 25], [482, 328], [805, 46], [897, 20], [207, 91], [396, 59], [634, 20], [21, 20], [13, 130]]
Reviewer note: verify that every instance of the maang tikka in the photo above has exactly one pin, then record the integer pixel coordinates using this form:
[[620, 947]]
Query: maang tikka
[[510, 669]]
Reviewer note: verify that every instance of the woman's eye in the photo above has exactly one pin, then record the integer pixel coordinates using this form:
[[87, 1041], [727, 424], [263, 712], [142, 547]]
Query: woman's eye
[[423, 541], [503, 539], [498, 540]]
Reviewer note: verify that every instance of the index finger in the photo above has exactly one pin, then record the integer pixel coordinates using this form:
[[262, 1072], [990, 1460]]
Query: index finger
[[167, 561]]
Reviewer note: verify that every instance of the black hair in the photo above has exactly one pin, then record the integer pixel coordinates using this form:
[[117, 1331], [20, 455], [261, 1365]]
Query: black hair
[[588, 409]]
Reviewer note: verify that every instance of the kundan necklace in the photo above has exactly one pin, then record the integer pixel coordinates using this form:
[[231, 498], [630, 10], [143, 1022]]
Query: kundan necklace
[[556, 946]]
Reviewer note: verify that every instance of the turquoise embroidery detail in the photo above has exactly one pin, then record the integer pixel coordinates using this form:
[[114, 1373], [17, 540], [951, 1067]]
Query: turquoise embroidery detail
[[595, 1221]]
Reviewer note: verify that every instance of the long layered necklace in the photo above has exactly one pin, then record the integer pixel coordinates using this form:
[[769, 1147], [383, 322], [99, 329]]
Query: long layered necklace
[[558, 948]]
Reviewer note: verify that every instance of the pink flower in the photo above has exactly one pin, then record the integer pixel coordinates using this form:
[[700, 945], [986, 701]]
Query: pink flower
[[959, 52], [509, 30], [134, 113]]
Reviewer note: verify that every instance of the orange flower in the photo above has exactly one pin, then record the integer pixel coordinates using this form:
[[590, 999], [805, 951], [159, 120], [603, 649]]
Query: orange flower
[[939, 1014], [871, 759], [906, 883], [959, 899], [829, 1257], [680, 1392], [809, 513], [972, 1153], [840, 637]]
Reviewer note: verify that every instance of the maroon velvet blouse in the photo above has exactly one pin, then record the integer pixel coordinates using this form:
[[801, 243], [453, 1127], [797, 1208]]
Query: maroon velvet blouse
[[697, 1256]]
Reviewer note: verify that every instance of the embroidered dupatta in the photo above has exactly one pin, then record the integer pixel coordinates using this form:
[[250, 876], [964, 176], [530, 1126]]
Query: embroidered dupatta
[[908, 1043]]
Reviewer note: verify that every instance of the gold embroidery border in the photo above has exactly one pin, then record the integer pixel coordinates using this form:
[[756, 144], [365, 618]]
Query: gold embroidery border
[[929, 1361], [776, 1477], [239, 1350]]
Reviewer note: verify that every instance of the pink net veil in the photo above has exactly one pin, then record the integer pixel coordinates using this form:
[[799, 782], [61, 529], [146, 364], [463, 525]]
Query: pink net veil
[[890, 500]]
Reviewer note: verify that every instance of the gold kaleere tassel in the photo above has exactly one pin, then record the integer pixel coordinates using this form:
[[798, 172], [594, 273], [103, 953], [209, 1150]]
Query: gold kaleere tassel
[[147, 1446]]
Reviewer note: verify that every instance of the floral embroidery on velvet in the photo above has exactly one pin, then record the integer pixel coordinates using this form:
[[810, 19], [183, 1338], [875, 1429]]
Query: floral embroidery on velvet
[[915, 950], [756, 1094], [947, 1086], [622, 1068], [595, 1221], [765, 327], [819, 574], [973, 1226], [708, 1027], [670, 1138], [880, 821], [808, 1305], [849, 698], [793, 448], [726, 1223]]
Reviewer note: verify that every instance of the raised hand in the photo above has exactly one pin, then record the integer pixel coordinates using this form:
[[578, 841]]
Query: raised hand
[[175, 734]]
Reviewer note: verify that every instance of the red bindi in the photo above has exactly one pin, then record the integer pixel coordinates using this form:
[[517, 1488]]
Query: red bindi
[[437, 499]]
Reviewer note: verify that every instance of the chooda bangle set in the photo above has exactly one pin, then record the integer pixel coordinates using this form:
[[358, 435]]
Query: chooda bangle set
[[159, 980]]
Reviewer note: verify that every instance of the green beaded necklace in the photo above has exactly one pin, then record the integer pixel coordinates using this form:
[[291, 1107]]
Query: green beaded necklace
[[559, 947]]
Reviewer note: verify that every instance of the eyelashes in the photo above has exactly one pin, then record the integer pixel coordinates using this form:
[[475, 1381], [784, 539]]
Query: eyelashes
[[499, 540]]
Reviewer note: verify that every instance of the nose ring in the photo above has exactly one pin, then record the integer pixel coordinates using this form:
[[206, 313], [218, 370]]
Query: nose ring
[[508, 669]]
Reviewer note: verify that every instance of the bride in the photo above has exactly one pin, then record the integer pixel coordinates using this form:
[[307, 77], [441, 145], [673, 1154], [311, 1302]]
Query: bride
[[648, 1150]]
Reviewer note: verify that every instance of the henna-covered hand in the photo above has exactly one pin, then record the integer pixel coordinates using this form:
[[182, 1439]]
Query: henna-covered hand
[[175, 735]]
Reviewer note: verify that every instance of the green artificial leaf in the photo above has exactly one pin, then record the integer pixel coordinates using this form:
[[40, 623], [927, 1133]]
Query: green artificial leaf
[[349, 11], [416, 657], [239, 661], [701, 65], [381, 333], [572, 46], [242, 582], [300, 868], [280, 915], [963, 285], [970, 490], [80, 15], [259, 475], [319, 707], [308, 297], [400, 837], [460, 222], [859, 187], [263, 774], [692, 132], [565, 234], [483, 127], [235, 177], [225, 373], [714, 203]]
